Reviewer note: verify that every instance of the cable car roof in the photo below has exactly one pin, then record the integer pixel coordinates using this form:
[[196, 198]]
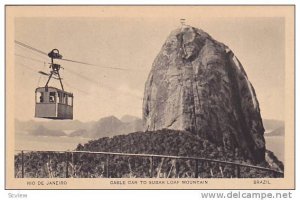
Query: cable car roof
[[53, 88]]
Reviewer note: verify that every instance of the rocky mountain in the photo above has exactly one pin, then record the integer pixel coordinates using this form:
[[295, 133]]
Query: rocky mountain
[[197, 84]]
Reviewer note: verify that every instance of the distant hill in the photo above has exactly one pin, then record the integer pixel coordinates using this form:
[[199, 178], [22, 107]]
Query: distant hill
[[79, 133], [50, 124], [271, 124], [104, 127], [129, 118], [42, 131], [277, 132], [110, 126], [274, 127], [25, 125]]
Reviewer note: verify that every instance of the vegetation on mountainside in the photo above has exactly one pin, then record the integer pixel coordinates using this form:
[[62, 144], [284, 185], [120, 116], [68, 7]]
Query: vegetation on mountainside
[[163, 142]]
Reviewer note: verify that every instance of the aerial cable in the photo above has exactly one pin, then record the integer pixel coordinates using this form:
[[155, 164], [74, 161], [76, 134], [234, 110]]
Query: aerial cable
[[91, 81], [79, 62], [85, 63], [32, 52], [64, 59], [94, 82], [30, 47]]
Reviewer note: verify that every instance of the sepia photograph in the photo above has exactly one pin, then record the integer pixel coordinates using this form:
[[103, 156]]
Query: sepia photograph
[[149, 97]]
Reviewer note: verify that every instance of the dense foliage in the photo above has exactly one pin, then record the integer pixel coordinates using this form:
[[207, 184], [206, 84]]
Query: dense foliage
[[164, 142]]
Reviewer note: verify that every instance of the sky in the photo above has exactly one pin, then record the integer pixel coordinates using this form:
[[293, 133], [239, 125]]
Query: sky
[[132, 44]]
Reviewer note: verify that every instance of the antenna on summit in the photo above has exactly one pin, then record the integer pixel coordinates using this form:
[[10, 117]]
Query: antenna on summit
[[182, 22]]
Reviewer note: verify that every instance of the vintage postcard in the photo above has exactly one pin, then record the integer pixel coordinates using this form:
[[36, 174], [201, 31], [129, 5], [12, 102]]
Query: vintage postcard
[[150, 97]]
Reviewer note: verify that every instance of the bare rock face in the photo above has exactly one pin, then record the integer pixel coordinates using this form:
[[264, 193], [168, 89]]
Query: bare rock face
[[197, 84]]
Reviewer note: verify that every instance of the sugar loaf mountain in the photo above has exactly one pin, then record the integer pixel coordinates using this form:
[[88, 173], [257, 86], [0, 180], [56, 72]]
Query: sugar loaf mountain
[[198, 102], [197, 84]]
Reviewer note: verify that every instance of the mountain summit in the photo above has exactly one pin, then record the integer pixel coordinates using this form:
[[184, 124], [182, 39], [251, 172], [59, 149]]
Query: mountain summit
[[197, 84]]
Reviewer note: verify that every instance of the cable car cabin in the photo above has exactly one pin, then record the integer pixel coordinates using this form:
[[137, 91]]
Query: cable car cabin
[[53, 103]]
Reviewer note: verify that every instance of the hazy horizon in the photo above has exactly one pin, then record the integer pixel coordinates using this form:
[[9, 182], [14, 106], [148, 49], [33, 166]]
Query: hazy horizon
[[44, 120]]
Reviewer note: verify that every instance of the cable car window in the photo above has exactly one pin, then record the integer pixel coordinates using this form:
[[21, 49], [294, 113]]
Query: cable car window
[[52, 97], [70, 100], [59, 95], [40, 97], [65, 98]]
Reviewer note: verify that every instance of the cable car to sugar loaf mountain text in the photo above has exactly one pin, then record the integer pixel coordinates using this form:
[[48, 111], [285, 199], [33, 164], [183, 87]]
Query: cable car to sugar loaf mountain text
[[51, 102]]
